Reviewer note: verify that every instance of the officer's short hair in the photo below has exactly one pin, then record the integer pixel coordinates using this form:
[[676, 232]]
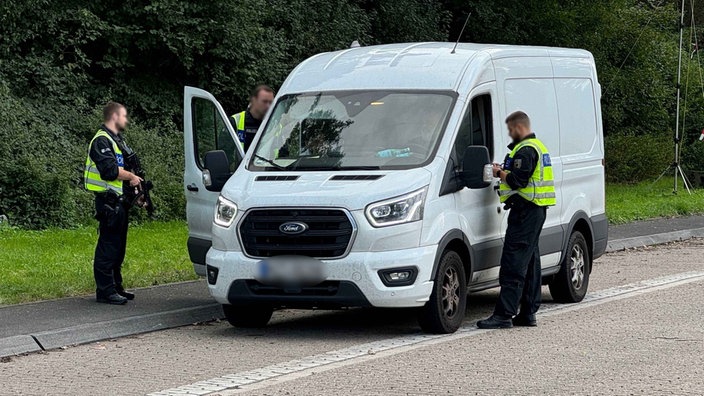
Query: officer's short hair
[[111, 108], [518, 117], [260, 88]]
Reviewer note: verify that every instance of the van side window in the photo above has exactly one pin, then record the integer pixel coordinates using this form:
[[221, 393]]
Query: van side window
[[210, 133], [476, 127]]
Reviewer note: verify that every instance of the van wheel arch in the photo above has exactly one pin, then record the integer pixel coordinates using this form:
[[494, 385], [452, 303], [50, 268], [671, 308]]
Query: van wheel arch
[[456, 241], [580, 222]]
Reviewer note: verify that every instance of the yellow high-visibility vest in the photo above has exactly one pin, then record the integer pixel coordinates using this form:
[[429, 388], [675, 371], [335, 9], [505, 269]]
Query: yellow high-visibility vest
[[91, 175], [541, 186], [239, 121]]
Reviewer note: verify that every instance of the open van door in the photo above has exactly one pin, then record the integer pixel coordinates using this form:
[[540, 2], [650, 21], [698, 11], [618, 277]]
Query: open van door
[[212, 154]]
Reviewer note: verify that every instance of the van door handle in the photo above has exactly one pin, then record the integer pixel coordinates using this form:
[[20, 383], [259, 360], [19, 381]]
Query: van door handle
[[192, 187]]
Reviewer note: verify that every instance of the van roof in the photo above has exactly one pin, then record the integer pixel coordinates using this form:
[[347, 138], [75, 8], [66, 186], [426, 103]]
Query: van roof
[[429, 66]]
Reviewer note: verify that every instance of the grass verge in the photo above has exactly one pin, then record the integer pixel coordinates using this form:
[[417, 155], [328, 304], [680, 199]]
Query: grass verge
[[627, 203], [38, 265]]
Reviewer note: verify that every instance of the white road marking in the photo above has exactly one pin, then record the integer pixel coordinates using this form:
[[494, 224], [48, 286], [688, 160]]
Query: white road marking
[[287, 371]]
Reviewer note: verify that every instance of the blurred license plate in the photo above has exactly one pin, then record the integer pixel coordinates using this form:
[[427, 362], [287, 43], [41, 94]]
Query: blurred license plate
[[290, 270]]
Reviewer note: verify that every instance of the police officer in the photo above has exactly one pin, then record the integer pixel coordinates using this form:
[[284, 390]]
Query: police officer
[[527, 189], [246, 123], [105, 176]]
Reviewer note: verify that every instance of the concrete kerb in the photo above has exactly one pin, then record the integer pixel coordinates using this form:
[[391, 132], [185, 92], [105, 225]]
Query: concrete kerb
[[652, 240], [92, 332], [17, 345]]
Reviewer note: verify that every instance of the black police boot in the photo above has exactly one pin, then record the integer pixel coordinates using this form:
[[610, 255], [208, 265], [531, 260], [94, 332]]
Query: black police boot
[[525, 321], [126, 294], [495, 322], [114, 299]]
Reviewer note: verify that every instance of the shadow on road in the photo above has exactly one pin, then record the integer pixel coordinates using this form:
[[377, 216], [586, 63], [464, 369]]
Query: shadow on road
[[355, 323]]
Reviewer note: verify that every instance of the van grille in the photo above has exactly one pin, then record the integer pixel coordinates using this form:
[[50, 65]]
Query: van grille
[[328, 234]]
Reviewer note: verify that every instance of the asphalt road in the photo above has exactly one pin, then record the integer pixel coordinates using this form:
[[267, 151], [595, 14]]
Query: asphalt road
[[642, 338]]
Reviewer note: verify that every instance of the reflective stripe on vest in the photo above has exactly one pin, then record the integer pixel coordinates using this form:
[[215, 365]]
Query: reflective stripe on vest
[[541, 185], [239, 121], [91, 176]]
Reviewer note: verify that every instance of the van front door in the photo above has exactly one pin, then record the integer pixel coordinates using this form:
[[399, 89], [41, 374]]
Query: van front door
[[208, 139], [481, 207]]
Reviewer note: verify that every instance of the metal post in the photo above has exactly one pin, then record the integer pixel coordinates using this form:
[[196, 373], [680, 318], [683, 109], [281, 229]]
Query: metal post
[[678, 132]]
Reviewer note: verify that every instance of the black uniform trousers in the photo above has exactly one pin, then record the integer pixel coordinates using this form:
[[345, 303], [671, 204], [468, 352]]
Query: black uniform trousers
[[112, 242], [520, 277]]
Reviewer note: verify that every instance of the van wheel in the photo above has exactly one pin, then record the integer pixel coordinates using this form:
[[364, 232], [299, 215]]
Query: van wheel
[[444, 312], [571, 283], [247, 315]]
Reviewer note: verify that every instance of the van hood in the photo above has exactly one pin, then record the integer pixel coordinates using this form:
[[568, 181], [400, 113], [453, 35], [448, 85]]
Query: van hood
[[352, 190]]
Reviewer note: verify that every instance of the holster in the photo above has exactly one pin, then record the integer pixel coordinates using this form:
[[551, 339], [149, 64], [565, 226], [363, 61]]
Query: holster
[[109, 213]]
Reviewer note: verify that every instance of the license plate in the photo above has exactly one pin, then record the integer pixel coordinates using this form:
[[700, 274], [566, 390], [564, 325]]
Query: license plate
[[291, 270]]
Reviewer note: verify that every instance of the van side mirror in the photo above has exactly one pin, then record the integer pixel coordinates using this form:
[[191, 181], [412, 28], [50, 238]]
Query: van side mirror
[[216, 164], [473, 162]]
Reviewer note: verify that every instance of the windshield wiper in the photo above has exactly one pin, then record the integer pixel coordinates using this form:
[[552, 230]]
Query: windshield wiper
[[270, 162], [294, 165]]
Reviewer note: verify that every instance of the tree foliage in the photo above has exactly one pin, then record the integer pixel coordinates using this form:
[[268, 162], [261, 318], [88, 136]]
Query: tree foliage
[[60, 60]]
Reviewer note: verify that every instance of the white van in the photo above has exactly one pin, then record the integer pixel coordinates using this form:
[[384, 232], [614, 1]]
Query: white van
[[364, 184]]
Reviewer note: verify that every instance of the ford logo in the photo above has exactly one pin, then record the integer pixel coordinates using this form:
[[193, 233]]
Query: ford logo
[[293, 228]]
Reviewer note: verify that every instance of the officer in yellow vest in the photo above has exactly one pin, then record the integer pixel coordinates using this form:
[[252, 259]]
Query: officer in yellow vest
[[246, 123], [105, 176], [527, 188]]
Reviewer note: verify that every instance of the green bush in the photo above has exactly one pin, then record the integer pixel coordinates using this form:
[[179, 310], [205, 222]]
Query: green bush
[[631, 158], [44, 151], [61, 60], [693, 156], [693, 162], [37, 172]]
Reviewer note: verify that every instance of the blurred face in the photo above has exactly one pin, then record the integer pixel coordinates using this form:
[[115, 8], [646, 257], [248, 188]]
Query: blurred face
[[260, 104], [517, 130], [120, 119]]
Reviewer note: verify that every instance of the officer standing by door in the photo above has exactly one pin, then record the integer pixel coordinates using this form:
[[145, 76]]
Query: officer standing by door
[[246, 123], [105, 176], [527, 189]]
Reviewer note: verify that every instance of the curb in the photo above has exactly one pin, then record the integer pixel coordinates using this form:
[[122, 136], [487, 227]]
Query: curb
[[652, 240], [17, 345], [91, 332]]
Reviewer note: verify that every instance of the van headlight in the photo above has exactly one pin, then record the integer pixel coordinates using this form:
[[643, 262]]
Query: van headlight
[[225, 212], [404, 209]]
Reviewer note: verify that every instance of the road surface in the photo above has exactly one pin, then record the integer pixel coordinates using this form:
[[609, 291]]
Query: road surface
[[638, 332]]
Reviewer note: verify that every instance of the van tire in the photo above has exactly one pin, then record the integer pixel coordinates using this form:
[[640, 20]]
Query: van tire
[[250, 316], [444, 311], [570, 284]]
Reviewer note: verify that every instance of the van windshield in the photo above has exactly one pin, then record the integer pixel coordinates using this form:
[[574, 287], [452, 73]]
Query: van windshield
[[352, 130]]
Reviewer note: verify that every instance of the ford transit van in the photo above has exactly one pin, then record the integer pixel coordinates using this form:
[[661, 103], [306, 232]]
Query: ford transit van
[[364, 186]]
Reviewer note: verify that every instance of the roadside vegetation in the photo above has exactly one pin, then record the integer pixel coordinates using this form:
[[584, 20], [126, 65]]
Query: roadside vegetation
[[630, 202], [60, 61], [53, 263]]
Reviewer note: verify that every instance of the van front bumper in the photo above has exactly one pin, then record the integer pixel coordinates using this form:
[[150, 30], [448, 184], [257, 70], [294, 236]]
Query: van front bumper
[[351, 281]]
